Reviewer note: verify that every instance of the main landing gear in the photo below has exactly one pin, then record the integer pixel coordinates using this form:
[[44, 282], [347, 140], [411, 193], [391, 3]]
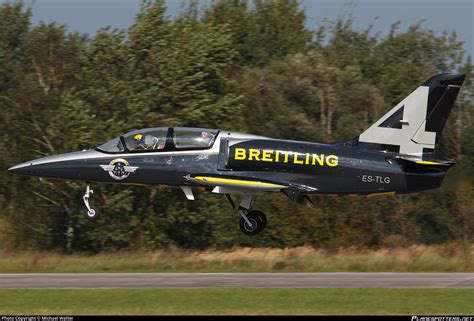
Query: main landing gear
[[90, 212], [252, 222]]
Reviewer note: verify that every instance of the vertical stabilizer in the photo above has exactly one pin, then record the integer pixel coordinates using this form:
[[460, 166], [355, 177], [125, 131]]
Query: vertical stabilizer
[[414, 126]]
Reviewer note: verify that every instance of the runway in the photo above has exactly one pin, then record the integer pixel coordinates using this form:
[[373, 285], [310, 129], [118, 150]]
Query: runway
[[234, 280]]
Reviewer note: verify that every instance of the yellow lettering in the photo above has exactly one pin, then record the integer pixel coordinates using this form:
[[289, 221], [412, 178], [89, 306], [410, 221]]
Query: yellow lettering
[[286, 157], [307, 159], [267, 156], [240, 154], [254, 153], [277, 156], [295, 160], [319, 159], [332, 160]]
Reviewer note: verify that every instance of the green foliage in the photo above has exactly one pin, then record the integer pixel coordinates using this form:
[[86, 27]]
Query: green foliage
[[289, 97], [14, 26], [272, 29], [237, 65]]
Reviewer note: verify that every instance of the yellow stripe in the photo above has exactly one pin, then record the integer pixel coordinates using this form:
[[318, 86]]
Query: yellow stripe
[[218, 180], [429, 163], [136, 184], [382, 193]]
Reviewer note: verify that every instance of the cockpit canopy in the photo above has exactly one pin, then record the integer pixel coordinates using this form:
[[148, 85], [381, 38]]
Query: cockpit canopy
[[161, 139]]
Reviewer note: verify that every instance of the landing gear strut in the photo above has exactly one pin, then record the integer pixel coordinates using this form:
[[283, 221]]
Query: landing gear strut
[[252, 221], [90, 212]]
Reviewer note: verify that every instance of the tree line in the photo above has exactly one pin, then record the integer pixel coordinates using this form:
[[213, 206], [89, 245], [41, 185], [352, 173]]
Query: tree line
[[246, 66]]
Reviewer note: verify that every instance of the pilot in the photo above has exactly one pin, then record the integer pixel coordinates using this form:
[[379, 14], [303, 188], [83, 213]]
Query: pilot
[[206, 137], [148, 142]]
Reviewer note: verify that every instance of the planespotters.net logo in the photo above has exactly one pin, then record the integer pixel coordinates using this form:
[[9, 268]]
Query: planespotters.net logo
[[444, 318]]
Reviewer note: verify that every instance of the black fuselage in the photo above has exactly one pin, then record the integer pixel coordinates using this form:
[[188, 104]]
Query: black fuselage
[[304, 166]]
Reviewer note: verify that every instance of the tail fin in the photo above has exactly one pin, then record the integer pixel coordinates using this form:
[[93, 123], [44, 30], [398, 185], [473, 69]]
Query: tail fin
[[414, 126]]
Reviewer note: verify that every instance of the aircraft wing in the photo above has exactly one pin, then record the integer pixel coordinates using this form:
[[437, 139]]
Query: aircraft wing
[[226, 185], [234, 183]]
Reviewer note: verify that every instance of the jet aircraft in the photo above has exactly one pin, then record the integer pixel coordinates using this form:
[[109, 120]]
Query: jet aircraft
[[394, 155]]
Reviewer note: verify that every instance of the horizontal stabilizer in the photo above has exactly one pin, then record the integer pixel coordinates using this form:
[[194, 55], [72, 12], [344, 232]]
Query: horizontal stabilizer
[[415, 161]]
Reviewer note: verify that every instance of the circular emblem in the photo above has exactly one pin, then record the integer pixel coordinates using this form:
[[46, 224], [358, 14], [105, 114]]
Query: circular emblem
[[119, 168]]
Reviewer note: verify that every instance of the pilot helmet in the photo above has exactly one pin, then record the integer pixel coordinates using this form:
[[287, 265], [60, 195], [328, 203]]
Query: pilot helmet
[[138, 138]]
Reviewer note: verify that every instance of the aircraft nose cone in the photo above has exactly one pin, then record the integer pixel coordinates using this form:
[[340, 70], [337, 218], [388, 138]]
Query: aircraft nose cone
[[63, 166], [20, 169]]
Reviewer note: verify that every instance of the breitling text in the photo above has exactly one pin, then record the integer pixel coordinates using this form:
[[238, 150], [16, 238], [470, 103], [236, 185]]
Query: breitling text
[[279, 156]]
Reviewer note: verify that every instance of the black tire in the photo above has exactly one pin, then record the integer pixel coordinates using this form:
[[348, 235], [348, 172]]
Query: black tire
[[262, 218], [246, 229], [93, 215]]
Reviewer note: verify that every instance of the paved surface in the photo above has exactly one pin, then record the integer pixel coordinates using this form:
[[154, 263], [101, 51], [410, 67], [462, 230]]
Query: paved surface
[[237, 280]]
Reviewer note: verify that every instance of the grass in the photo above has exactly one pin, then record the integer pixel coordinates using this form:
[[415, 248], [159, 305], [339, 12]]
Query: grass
[[417, 258], [238, 301]]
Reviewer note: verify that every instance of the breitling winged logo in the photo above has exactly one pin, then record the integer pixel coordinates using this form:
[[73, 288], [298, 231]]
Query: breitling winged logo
[[119, 168]]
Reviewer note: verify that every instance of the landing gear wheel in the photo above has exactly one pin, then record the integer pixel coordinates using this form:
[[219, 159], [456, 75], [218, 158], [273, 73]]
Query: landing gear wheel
[[252, 221], [92, 214], [262, 217], [250, 230]]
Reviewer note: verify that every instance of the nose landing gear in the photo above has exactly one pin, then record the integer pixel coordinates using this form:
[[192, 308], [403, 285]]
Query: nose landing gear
[[90, 212]]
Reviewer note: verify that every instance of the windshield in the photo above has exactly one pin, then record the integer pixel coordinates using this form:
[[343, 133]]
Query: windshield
[[113, 146], [152, 139], [189, 138]]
